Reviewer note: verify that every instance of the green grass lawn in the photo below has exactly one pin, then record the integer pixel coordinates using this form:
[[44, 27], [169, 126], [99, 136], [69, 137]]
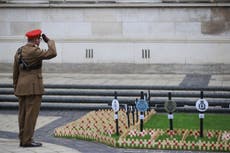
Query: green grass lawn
[[190, 121]]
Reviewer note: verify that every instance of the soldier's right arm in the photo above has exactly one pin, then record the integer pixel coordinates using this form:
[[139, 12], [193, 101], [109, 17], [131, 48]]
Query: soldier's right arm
[[47, 54]]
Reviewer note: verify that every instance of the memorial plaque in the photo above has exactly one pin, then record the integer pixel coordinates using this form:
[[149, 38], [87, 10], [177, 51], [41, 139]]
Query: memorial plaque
[[142, 105], [170, 106], [115, 105], [201, 105]]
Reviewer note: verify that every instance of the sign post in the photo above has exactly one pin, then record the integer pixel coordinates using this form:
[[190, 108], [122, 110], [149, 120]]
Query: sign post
[[201, 106], [170, 107], [148, 101], [127, 110], [142, 106], [115, 107], [132, 110], [136, 110]]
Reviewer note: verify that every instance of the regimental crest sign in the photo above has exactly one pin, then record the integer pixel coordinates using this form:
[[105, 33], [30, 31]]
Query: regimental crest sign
[[202, 105], [142, 105], [115, 105], [170, 106]]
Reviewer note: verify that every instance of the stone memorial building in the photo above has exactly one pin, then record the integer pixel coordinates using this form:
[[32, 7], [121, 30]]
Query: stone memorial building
[[122, 33]]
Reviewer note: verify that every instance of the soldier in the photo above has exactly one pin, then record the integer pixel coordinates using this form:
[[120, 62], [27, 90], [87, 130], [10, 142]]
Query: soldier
[[28, 83]]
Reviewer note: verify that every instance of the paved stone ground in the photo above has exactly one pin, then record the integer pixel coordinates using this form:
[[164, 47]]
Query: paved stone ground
[[128, 68], [9, 142], [131, 79], [48, 120]]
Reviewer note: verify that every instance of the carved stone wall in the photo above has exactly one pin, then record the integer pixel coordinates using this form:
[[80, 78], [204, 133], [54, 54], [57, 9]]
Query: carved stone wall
[[108, 33]]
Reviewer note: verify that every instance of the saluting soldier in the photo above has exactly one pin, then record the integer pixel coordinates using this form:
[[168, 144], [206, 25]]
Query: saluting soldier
[[28, 83]]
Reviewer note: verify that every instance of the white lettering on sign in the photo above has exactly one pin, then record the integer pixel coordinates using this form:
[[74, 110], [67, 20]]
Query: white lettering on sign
[[201, 115], [142, 117], [170, 116], [115, 116]]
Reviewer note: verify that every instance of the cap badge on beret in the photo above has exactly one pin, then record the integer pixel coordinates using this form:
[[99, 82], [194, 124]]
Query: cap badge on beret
[[34, 33]]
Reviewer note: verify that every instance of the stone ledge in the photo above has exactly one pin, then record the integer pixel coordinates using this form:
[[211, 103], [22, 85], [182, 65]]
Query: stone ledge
[[125, 68], [112, 1], [22, 39], [112, 5]]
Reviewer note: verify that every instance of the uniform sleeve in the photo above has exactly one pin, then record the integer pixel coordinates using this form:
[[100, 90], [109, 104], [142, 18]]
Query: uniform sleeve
[[47, 54], [15, 71]]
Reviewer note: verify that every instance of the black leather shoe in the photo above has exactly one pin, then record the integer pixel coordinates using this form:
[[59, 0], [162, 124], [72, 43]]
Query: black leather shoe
[[33, 144]]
